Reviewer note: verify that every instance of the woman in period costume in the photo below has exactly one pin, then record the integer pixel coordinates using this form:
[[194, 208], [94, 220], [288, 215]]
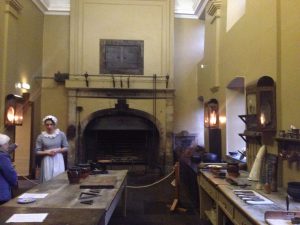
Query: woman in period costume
[[50, 145]]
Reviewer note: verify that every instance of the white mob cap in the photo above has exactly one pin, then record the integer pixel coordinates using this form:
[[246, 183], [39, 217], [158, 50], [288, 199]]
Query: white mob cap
[[50, 117], [4, 139]]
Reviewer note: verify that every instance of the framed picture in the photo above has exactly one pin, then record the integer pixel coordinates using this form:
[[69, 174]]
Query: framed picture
[[122, 57]]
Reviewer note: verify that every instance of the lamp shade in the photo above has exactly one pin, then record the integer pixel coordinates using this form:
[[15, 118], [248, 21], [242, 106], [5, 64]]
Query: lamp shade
[[13, 110]]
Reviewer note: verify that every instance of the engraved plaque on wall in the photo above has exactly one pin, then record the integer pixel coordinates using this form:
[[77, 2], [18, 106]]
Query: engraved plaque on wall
[[121, 57]]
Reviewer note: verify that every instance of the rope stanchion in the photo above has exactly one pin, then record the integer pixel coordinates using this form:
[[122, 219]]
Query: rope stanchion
[[175, 202], [154, 183]]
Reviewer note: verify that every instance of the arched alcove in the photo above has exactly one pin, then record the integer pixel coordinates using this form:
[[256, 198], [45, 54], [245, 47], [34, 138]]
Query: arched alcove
[[235, 106]]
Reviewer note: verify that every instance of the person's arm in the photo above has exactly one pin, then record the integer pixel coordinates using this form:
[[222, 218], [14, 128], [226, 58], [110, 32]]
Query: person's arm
[[39, 148], [12, 148], [61, 150], [50, 152], [8, 171], [56, 150]]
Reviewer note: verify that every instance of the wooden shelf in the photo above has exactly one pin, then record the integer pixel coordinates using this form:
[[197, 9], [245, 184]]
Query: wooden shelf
[[289, 149], [245, 118], [282, 139], [230, 158], [250, 120], [246, 136]]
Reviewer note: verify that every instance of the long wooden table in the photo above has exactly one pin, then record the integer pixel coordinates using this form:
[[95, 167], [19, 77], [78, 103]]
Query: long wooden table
[[218, 203], [63, 200], [57, 216]]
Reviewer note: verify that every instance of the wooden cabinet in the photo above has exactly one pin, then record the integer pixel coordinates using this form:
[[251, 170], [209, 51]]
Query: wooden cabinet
[[220, 206], [207, 200], [241, 219], [260, 114], [209, 188], [261, 105], [226, 206]]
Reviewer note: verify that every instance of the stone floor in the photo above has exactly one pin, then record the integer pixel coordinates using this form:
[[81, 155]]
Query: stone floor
[[148, 205]]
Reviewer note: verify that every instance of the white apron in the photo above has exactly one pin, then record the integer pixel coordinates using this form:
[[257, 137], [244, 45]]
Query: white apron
[[52, 166]]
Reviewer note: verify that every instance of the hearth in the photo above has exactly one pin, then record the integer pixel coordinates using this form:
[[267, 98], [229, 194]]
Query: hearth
[[122, 125], [120, 134], [121, 138]]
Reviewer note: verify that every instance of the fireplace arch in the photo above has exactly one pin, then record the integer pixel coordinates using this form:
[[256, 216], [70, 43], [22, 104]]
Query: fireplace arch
[[122, 134]]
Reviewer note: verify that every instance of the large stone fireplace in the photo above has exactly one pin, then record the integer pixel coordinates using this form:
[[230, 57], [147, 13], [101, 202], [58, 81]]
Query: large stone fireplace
[[126, 126], [143, 50]]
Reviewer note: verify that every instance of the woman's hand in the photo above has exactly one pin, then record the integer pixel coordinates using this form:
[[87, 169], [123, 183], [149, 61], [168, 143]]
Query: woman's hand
[[51, 152]]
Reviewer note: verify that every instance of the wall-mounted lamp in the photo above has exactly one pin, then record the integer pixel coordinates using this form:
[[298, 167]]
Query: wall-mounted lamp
[[211, 114], [14, 110], [262, 119], [202, 66], [22, 85], [222, 119]]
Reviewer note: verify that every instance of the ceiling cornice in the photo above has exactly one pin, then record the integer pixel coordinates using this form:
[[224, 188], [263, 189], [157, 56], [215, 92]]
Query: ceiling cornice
[[214, 6], [49, 7], [15, 4], [192, 9]]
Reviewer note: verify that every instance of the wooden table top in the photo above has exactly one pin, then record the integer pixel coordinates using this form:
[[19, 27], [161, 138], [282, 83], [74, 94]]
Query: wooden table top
[[212, 178], [63, 203], [56, 216], [61, 194]]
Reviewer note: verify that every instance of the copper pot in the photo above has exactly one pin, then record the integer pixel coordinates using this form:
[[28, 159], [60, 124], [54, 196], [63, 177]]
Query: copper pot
[[233, 169], [74, 174]]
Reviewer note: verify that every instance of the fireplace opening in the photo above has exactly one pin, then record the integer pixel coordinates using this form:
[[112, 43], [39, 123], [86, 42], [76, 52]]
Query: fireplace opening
[[123, 138]]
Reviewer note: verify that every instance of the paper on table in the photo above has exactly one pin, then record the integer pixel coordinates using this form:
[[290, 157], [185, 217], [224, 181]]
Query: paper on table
[[33, 195], [278, 222], [28, 217]]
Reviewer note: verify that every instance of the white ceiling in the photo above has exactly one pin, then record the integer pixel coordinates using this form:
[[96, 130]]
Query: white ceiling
[[183, 8], [190, 8]]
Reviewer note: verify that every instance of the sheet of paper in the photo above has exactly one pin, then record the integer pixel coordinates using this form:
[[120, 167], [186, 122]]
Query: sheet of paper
[[28, 217], [33, 195]]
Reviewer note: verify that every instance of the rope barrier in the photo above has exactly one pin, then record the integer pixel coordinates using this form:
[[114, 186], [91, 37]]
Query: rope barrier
[[154, 183], [29, 180], [130, 187]]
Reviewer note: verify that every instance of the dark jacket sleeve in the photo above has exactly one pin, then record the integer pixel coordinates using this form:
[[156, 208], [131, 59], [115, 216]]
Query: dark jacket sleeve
[[8, 172]]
